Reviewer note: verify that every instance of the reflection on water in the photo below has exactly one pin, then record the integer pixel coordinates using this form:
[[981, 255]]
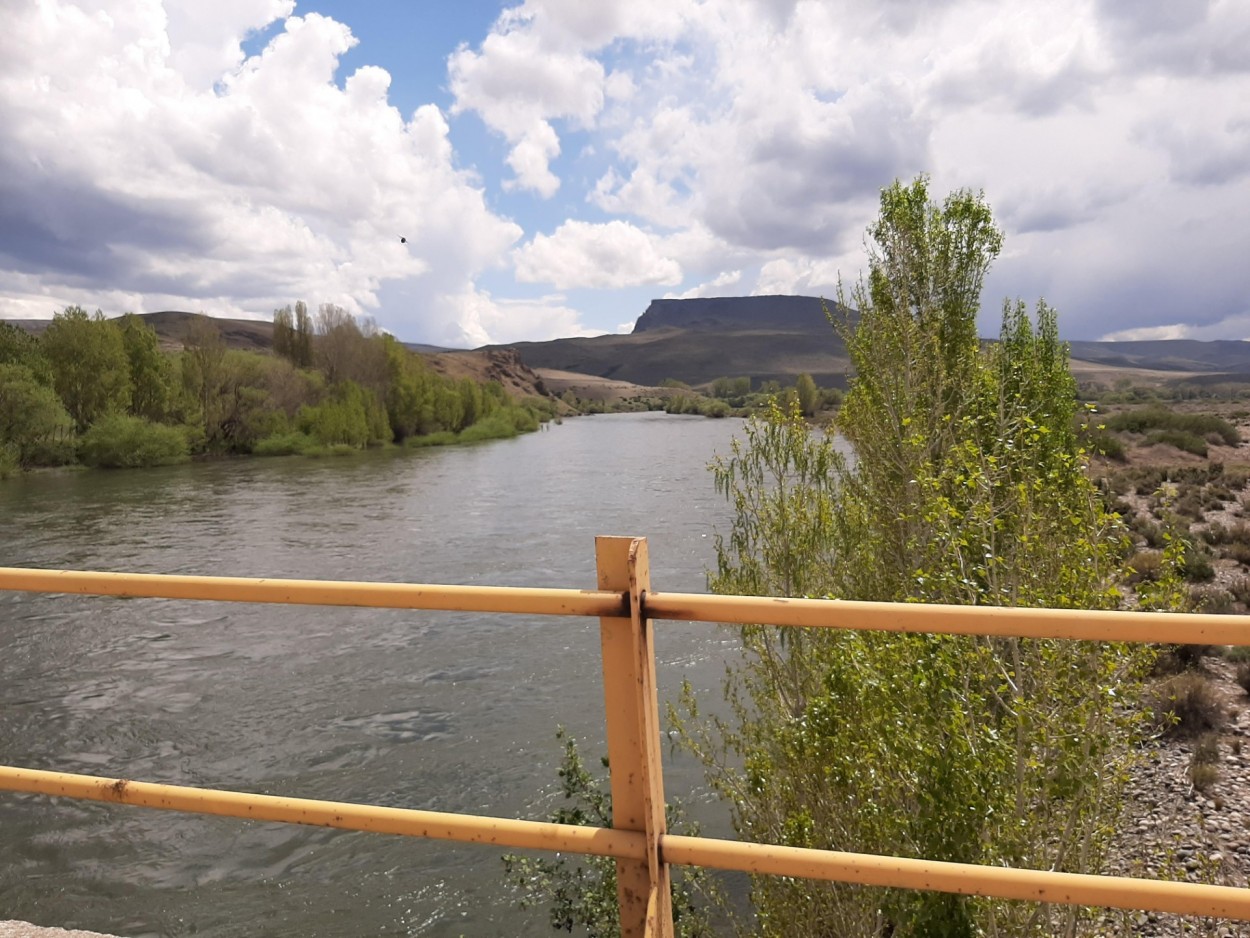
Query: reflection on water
[[452, 712]]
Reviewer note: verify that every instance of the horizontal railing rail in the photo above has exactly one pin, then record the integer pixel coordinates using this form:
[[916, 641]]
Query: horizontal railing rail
[[638, 840]]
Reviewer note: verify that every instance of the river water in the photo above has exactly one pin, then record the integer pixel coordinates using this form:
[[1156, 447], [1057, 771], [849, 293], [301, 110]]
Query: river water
[[441, 711]]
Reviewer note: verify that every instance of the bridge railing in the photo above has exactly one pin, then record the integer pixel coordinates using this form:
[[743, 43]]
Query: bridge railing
[[644, 851]]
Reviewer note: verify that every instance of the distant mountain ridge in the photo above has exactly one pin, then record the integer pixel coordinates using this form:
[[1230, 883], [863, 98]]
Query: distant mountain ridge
[[778, 313], [766, 337], [780, 337]]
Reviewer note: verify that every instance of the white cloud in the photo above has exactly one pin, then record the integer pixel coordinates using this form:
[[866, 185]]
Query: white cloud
[[800, 276], [141, 156], [580, 254], [718, 286], [150, 164], [487, 320], [1149, 333]]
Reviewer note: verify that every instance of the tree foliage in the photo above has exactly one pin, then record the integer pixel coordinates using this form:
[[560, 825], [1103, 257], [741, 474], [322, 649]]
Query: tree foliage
[[333, 383], [580, 893], [967, 485], [148, 370], [88, 363], [33, 423]]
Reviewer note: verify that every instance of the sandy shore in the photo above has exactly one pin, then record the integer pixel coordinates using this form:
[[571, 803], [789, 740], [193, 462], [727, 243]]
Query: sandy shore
[[12, 929]]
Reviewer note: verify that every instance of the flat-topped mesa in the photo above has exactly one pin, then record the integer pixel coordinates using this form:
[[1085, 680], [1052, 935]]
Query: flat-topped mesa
[[739, 313]]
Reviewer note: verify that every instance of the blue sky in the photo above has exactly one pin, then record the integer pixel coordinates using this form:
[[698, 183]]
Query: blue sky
[[556, 164]]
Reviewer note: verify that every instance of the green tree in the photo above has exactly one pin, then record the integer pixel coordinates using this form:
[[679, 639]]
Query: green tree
[[808, 394], [88, 361], [293, 335], [204, 377], [33, 421], [19, 347], [967, 486], [149, 369], [581, 892]]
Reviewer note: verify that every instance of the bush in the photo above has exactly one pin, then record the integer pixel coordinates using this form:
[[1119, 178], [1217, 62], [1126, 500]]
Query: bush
[[1186, 705], [284, 444], [1186, 442], [1144, 566], [1242, 675], [1203, 771], [1177, 659], [1238, 551], [1196, 426], [441, 438], [1107, 444], [8, 460], [1212, 599], [1240, 589], [1197, 566], [119, 441], [505, 423]]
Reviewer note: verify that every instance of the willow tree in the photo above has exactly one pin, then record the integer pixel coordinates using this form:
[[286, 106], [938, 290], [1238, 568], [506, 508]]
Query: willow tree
[[967, 486]]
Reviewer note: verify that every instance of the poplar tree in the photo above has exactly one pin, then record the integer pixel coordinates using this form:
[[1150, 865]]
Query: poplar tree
[[967, 485], [88, 363]]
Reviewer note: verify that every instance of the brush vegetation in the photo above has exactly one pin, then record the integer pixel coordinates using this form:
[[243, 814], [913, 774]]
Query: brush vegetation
[[102, 392]]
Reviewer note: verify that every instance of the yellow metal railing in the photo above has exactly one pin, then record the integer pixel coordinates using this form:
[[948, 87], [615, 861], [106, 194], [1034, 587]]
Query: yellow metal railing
[[643, 849]]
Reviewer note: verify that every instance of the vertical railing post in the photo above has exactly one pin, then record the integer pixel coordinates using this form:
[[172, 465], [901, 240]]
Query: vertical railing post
[[629, 693]]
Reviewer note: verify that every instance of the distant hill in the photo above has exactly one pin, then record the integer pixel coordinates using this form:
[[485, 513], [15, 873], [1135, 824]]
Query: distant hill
[[172, 326], [699, 340], [1168, 354], [781, 337], [765, 337]]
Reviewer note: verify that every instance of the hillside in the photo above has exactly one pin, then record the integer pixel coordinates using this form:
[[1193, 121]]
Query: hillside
[[781, 337], [765, 337], [697, 341]]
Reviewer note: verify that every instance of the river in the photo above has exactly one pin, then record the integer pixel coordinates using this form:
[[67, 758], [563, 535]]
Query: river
[[441, 711]]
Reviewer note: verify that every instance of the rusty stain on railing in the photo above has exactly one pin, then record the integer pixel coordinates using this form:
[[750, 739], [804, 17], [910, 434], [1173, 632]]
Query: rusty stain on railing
[[643, 849]]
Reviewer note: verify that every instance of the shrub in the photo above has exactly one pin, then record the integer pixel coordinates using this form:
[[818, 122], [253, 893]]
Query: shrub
[[1144, 566], [1186, 705], [1236, 477], [441, 438], [119, 441], [1189, 506], [1238, 551], [1212, 599], [1163, 420], [8, 460], [1107, 444], [500, 425], [1177, 659], [284, 444], [1197, 566], [1214, 533], [1240, 589], [1242, 675], [1203, 770], [1185, 442]]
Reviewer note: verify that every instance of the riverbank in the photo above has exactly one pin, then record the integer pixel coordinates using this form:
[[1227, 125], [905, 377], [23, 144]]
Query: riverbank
[[14, 929]]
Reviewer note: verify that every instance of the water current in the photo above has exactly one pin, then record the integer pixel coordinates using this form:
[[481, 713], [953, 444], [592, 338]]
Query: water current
[[441, 711]]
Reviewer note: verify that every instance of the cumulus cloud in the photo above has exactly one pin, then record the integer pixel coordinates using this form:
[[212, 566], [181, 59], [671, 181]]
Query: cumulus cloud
[[145, 158], [500, 321], [579, 254], [721, 285]]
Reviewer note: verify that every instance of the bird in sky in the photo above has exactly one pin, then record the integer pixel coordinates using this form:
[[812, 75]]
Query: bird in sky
[[403, 240]]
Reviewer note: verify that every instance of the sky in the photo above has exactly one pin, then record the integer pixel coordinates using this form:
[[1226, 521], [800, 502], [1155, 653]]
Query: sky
[[554, 165]]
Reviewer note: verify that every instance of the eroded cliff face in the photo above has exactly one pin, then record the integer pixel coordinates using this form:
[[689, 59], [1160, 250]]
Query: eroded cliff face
[[738, 314], [490, 364]]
